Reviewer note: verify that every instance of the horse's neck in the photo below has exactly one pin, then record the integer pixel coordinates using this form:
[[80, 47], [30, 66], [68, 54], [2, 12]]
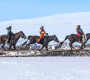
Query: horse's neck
[[17, 36], [50, 38]]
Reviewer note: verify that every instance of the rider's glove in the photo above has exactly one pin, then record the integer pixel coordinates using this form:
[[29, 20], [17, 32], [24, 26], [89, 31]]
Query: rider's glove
[[46, 33]]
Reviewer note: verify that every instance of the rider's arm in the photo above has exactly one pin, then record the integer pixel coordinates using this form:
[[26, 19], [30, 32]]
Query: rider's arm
[[44, 32], [82, 31], [77, 29]]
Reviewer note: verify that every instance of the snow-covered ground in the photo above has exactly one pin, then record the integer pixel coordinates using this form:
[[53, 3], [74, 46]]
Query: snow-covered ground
[[45, 68]]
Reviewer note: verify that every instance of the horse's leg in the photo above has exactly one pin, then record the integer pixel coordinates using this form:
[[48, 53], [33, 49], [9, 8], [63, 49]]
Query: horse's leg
[[70, 45], [72, 48], [14, 46], [41, 48], [9, 47], [46, 47], [3, 47], [28, 45], [83, 45], [24, 43]]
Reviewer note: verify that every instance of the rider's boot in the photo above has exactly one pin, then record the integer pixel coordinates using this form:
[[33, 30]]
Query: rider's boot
[[6, 41]]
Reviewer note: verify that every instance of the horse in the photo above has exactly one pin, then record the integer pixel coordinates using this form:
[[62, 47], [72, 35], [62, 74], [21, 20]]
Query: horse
[[46, 40], [13, 41], [74, 38]]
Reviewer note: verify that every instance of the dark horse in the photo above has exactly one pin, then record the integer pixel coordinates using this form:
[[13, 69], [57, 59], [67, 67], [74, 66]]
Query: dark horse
[[46, 40], [13, 41], [74, 38]]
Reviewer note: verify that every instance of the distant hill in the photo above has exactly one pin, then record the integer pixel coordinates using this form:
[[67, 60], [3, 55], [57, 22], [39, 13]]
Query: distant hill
[[60, 24]]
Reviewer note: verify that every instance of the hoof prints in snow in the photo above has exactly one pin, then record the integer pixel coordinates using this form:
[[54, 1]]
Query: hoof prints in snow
[[49, 53]]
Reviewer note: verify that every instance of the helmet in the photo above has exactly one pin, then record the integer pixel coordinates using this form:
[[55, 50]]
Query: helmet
[[10, 26], [78, 25], [41, 26]]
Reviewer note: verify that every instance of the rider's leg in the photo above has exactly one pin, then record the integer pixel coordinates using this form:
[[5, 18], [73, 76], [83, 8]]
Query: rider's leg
[[14, 46], [41, 40], [41, 48], [81, 38], [79, 35], [9, 47], [9, 37]]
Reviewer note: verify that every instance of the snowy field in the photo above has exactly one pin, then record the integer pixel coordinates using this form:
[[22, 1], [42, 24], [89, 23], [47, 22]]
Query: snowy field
[[45, 68]]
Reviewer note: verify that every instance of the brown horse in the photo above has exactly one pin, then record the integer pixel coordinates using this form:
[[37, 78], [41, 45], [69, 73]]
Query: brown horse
[[46, 40], [74, 38], [13, 41]]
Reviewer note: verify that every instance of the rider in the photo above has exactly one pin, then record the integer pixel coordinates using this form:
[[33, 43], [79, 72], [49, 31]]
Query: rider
[[42, 32], [79, 32], [9, 34]]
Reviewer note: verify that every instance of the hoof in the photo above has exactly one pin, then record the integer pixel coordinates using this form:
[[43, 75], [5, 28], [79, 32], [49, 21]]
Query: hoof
[[78, 49], [74, 49]]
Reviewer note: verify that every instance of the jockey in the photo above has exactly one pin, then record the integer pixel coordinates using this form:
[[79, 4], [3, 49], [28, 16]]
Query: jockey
[[42, 33], [9, 34], [79, 32]]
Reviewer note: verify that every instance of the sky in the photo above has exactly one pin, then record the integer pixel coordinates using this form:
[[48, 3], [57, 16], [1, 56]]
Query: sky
[[27, 9]]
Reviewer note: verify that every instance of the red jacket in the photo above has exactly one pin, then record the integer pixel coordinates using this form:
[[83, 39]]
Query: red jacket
[[79, 31], [42, 32]]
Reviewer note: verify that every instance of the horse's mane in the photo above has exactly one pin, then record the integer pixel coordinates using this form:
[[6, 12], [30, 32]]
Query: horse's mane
[[50, 35], [35, 36], [18, 32], [88, 34]]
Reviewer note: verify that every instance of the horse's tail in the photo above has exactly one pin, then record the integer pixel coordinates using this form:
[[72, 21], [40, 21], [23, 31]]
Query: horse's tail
[[61, 43], [66, 38]]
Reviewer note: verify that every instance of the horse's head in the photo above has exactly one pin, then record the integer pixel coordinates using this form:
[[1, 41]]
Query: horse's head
[[22, 35], [55, 38], [88, 36]]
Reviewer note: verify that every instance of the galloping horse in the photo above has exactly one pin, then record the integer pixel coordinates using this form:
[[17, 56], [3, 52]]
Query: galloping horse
[[74, 38], [46, 40], [13, 41]]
